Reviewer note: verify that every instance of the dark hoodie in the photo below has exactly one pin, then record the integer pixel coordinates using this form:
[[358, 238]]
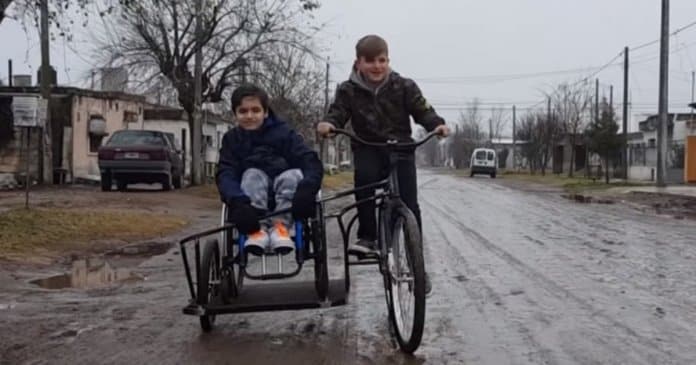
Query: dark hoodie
[[380, 113], [273, 148]]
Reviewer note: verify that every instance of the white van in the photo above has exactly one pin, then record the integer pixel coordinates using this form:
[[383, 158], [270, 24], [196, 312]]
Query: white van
[[484, 161]]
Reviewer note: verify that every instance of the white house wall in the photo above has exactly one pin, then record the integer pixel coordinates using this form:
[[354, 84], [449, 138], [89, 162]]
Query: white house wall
[[85, 163]]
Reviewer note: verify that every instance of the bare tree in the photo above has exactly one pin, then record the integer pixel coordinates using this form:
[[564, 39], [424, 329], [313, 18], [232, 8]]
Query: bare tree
[[295, 81], [157, 37], [526, 128], [4, 4], [570, 103], [468, 135], [63, 14], [498, 122], [541, 132], [603, 137]]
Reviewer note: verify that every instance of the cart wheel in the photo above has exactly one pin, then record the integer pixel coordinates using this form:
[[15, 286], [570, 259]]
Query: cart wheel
[[405, 281], [231, 275], [228, 285], [321, 271], [233, 286], [208, 281]]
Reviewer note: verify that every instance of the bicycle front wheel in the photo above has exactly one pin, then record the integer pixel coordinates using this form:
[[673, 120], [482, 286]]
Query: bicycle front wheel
[[405, 280]]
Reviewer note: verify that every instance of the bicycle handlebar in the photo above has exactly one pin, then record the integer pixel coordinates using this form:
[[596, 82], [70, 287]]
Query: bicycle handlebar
[[390, 143]]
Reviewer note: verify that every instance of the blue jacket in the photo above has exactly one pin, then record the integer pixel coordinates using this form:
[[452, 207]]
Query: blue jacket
[[273, 148]]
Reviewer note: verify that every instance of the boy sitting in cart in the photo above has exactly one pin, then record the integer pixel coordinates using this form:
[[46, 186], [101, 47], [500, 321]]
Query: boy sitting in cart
[[265, 166]]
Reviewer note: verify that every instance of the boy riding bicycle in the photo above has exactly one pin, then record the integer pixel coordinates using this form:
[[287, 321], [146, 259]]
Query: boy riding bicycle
[[379, 102]]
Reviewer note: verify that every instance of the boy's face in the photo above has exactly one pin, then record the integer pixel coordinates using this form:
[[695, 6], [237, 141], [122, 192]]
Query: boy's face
[[250, 113], [376, 69]]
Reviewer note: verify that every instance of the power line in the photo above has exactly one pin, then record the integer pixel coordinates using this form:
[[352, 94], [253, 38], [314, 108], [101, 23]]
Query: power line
[[501, 77], [679, 30]]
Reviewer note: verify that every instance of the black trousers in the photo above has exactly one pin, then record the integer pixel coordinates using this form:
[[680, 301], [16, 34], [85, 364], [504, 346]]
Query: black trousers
[[371, 166]]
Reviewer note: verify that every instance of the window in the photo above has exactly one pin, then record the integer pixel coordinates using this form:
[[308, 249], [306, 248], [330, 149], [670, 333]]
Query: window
[[491, 156], [651, 142], [481, 155], [130, 117]]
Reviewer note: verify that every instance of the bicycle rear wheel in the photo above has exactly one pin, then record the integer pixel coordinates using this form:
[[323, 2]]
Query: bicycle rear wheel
[[405, 280]]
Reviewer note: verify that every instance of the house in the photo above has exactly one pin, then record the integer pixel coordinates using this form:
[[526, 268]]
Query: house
[[642, 147], [80, 119], [509, 154], [570, 150]]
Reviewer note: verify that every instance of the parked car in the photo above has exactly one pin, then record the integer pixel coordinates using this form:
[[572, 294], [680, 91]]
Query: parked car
[[140, 156], [484, 161]]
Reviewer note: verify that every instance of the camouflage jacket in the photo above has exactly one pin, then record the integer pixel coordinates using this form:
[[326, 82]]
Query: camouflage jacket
[[382, 113]]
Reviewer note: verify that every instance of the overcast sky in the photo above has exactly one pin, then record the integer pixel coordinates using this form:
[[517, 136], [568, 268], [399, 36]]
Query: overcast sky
[[501, 51]]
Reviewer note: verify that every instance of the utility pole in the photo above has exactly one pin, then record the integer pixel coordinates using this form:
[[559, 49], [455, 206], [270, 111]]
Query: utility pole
[[693, 83], [196, 134], [596, 103], [625, 116], [45, 144], [664, 95], [611, 99], [323, 153], [514, 137]]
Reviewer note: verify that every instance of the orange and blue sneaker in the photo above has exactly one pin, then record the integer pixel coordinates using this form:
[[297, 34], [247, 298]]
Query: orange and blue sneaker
[[257, 242], [281, 242]]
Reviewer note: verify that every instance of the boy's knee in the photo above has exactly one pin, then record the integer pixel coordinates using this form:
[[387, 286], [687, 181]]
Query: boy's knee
[[290, 177], [253, 175], [254, 183]]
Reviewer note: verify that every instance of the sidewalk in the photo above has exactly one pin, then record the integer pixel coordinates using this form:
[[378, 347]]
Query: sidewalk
[[683, 190]]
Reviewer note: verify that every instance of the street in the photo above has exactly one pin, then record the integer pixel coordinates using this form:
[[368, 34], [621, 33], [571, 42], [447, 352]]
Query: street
[[519, 277]]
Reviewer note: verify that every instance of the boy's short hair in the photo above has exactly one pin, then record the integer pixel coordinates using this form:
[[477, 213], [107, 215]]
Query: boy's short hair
[[249, 90], [371, 46]]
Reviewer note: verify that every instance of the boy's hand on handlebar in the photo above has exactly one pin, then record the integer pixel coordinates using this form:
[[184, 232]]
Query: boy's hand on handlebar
[[442, 130], [325, 129]]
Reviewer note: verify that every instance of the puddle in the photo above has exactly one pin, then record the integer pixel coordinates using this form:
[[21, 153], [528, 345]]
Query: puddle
[[579, 198], [88, 274]]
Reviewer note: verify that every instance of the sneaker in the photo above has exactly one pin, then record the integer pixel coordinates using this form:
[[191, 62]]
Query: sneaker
[[363, 248], [257, 242], [281, 242]]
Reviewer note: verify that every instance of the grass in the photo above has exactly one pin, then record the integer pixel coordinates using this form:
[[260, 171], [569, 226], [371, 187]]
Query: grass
[[337, 181], [209, 191], [574, 184], [50, 232]]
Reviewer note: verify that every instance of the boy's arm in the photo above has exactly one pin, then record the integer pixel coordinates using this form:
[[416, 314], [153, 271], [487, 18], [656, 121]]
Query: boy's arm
[[307, 160], [229, 174], [339, 111], [422, 112]]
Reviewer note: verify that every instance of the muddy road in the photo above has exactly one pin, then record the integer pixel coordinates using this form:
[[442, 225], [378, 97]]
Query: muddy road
[[519, 277]]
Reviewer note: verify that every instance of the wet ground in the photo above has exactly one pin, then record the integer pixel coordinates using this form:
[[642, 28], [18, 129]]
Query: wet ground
[[520, 276]]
